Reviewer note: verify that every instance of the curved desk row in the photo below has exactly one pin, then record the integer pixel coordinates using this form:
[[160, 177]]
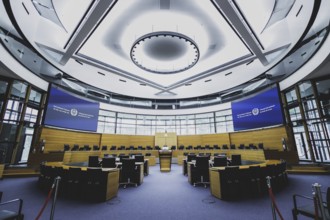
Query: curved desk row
[[247, 180], [80, 182]]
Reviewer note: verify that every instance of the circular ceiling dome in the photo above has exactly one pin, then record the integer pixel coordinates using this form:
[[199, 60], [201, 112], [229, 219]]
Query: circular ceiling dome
[[164, 52]]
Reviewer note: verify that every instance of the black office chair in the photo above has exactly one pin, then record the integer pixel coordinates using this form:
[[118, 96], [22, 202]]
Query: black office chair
[[94, 185], [128, 172], [173, 147], [191, 157], [157, 147], [261, 146], [123, 156], [87, 147], [181, 147], [200, 172], [308, 209], [104, 147], [139, 158], [149, 148], [96, 147], [236, 160], [74, 182], [75, 147], [148, 154], [216, 147], [66, 147], [93, 161], [232, 146], [225, 147], [230, 183], [109, 162], [219, 161], [113, 147], [7, 214], [121, 148], [241, 147]]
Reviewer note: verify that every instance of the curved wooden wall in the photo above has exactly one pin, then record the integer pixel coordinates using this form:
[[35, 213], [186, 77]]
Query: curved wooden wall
[[270, 137]]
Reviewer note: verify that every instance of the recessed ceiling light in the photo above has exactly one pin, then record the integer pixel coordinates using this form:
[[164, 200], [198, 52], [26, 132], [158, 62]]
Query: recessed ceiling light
[[164, 52]]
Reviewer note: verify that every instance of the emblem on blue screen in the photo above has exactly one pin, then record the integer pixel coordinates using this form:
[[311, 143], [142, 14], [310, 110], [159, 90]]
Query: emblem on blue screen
[[74, 112], [255, 111]]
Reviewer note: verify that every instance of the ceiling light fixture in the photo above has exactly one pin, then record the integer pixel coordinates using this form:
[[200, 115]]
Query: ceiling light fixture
[[164, 52]]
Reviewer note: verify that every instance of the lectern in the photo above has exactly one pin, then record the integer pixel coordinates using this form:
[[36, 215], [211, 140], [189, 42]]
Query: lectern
[[165, 160]]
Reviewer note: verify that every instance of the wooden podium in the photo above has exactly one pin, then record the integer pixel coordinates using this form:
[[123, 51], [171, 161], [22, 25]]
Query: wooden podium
[[165, 160]]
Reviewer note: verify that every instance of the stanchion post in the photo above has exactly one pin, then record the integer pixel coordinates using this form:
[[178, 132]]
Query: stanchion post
[[271, 201], [57, 182], [317, 190]]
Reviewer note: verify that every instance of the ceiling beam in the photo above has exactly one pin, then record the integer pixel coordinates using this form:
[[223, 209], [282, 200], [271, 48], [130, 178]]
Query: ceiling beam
[[241, 28], [99, 10]]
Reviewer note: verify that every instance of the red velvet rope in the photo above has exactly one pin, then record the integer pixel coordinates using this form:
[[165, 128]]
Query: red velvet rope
[[46, 202], [274, 203]]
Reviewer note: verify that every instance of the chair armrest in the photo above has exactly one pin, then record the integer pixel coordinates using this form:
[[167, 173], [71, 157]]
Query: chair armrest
[[15, 200]]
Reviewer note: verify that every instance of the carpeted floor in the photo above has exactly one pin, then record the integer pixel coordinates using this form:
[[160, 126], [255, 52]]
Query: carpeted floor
[[166, 196]]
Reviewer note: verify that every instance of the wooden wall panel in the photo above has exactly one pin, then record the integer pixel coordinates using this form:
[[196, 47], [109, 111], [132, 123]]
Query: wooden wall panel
[[271, 137], [192, 140], [212, 139], [127, 140], [56, 138]]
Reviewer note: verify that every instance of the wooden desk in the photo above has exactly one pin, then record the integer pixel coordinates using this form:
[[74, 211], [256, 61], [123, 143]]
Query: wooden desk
[[108, 191], [165, 160], [216, 176]]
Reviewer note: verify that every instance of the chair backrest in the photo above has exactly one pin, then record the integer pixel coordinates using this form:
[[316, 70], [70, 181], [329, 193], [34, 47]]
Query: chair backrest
[[96, 147], [104, 147], [75, 147], [236, 160], [220, 161], [113, 147], [121, 157], [191, 157], [128, 166], [232, 146], [66, 147], [109, 162], [225, 146], [139, 158], [93, 161], [202, 162], [148, 154], [261, 146]]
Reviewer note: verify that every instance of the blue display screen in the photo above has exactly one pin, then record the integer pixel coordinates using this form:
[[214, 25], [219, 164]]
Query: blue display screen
[[67, 111], [262, 110]]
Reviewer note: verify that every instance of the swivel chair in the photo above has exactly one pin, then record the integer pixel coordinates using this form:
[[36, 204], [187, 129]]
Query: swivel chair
[[66, 147], [93, 161], [128, 172], [200, 172], [219, 161], [236, 160], [109, 162]]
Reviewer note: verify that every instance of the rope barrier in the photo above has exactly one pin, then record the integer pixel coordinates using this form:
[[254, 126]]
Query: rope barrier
[[271, 195], [46, 201], [316, 206]]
